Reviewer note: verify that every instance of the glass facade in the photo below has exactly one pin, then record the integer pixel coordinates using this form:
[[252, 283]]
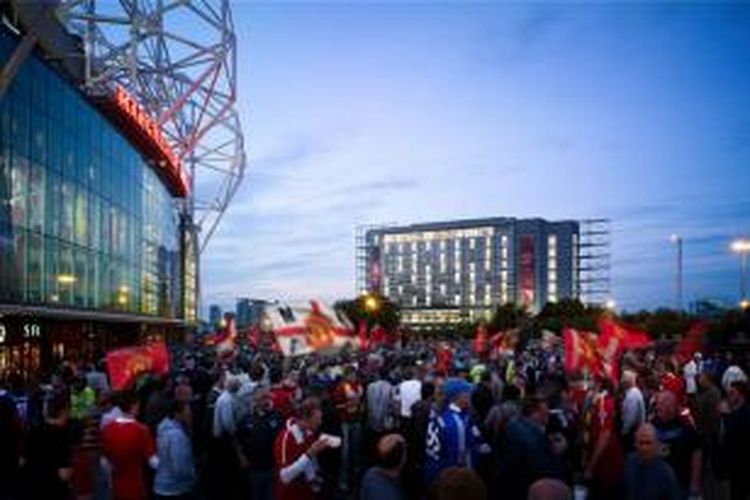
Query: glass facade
[[84, 221]]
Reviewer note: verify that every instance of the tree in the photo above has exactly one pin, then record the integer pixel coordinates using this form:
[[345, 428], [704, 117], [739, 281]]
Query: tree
[[374, 309], [508, 316]]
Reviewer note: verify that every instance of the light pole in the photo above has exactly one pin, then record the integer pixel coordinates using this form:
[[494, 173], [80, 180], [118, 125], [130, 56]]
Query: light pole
[[677, 240], [741, 246]]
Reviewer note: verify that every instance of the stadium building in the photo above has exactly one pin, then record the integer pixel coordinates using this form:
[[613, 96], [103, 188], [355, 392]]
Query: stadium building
[[101, 226]]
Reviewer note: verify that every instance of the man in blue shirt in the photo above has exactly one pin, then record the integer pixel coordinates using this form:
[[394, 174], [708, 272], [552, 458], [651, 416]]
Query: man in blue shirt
[[448, 442]]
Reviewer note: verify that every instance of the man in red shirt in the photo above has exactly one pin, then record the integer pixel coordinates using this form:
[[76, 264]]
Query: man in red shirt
[[295, 452], [128, 446]]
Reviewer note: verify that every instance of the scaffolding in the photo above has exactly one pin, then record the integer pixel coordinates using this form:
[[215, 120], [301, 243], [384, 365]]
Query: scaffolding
[[178, 58], [594, 261]]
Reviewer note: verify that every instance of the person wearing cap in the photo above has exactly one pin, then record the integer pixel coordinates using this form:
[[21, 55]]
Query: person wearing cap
[[448, 440]]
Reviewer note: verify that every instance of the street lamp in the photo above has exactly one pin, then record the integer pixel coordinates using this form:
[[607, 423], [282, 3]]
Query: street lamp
[[610, 304], [371, 303], [677, 240], [741, 246]]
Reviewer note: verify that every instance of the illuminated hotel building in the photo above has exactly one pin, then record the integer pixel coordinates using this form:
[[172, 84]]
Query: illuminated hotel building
[[446, 272], [96, 241]]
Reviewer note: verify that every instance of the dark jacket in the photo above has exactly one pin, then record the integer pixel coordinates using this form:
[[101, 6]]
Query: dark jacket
[[256, 435], [526, 456]]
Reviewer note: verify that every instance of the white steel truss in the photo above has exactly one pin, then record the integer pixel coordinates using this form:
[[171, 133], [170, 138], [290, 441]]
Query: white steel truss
[[178, 59]]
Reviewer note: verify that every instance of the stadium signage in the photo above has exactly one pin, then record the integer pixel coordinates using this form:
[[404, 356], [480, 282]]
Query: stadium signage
[[148, 134]]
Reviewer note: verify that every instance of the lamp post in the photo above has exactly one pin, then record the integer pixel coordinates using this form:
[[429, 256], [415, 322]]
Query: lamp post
[[677, 240], [741, 246], [371, 303]]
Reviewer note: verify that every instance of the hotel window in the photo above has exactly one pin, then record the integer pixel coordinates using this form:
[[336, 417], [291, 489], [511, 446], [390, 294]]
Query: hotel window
[[443, 262], [472, 243], [443, 289]]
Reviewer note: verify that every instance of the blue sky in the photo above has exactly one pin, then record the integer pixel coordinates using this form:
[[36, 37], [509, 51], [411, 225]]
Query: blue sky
[[360, 113]]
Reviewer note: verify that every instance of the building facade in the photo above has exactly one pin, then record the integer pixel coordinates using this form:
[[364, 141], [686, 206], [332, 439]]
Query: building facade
[[215, 314], [446, 272], [93, 247], [250, 311]]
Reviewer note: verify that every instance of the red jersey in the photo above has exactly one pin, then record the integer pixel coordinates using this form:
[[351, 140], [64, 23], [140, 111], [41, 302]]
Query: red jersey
[[128, 446], [674, 384], [290, 446]]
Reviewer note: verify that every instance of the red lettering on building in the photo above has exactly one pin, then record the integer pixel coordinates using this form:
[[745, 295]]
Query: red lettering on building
[[147, 133]]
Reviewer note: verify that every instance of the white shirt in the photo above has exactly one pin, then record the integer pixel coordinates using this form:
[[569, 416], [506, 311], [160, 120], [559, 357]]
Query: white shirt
[[633, 410], [410, 391], [733, 374], [224, 418], [689, 372]]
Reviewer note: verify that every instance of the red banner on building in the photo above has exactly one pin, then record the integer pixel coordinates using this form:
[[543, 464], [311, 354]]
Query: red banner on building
[[526, 270], [125, 365]]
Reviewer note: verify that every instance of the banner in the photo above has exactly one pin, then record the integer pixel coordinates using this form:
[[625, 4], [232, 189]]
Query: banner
[[125, 365], [526, 271], [304, 330]]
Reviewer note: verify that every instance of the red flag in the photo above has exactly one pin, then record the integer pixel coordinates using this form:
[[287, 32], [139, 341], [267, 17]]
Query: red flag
[[614, 339], [479, 346], [124, 365], [692, 341], [362, 335], [581, 352], [377, 336]]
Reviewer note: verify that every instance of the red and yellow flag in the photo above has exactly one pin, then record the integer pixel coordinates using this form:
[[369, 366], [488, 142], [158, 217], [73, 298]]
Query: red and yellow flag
[[125, 365]]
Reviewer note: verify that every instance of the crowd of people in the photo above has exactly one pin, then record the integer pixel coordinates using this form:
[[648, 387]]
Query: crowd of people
[[425, 420]]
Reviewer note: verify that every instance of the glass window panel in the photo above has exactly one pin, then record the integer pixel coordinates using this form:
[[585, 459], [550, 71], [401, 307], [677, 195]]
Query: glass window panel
[[81, 282], [39, 137], [51, 269], [67, 210], [19, 190], [36, 197], [55, 145], [81, 217], [53, 204], [19, 264], [91, 277], [66, 278], [35, 263]]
